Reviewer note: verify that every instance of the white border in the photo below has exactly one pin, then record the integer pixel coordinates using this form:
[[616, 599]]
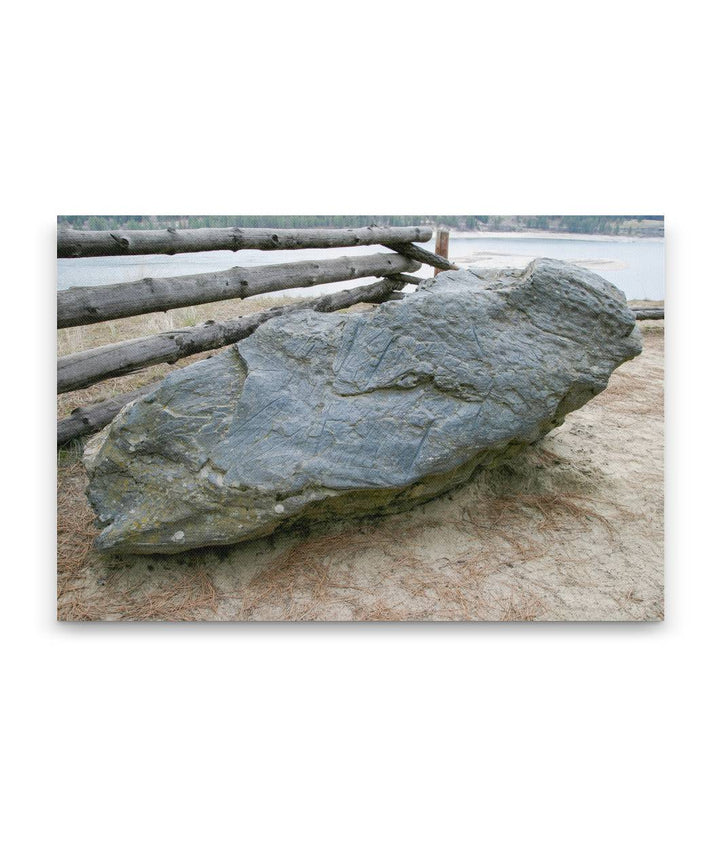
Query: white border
[[358, 739]]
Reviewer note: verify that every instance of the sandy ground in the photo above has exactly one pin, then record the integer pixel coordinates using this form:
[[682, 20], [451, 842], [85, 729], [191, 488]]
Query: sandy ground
[[571, 529]]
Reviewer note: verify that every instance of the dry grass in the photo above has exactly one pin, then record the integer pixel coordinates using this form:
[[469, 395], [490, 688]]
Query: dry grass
[[76, 339], [74, 534], [555, 511], [183, 600], [522, 608], [192, 597], [380, 610], [305, 576]]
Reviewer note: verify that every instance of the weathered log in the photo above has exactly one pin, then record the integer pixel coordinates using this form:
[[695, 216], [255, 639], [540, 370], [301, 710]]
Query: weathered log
[[104, 302], [80, 244], [94, 417], [374, 292], [423, 256], [81, 370], [648, 313], [406, 278]]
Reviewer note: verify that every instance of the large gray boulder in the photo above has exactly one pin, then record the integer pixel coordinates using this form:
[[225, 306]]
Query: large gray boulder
[[315, 415]]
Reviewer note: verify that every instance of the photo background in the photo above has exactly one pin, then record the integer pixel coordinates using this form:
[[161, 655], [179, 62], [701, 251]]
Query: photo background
[[557, 739]]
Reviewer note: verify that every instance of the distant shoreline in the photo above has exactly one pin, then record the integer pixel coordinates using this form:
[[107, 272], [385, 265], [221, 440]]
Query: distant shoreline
[[601, 227]]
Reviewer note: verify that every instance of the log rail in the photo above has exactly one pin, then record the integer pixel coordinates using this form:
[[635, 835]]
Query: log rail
[[650, 313], [90, 305], [73, 244]]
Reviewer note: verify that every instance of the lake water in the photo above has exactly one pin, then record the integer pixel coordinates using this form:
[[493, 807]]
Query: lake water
[[636, 266]]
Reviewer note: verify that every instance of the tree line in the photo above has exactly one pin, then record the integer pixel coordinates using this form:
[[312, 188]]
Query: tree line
[[579, 224]]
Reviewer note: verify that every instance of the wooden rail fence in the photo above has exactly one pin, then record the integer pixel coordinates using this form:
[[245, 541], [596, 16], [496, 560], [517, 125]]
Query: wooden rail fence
[[74, 244], [93, 304]]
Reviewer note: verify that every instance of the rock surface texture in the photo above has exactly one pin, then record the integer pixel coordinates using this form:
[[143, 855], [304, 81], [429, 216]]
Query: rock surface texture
[[315, 416]]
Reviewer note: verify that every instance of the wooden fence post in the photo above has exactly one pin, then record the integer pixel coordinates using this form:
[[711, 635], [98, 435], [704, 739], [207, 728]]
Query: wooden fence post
[[442, 242]]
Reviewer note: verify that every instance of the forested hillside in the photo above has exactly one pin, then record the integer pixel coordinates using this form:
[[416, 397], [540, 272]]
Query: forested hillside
[[639, 224]]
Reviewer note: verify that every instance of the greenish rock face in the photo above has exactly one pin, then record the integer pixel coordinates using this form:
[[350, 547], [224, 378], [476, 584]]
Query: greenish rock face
[[317, 415]]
